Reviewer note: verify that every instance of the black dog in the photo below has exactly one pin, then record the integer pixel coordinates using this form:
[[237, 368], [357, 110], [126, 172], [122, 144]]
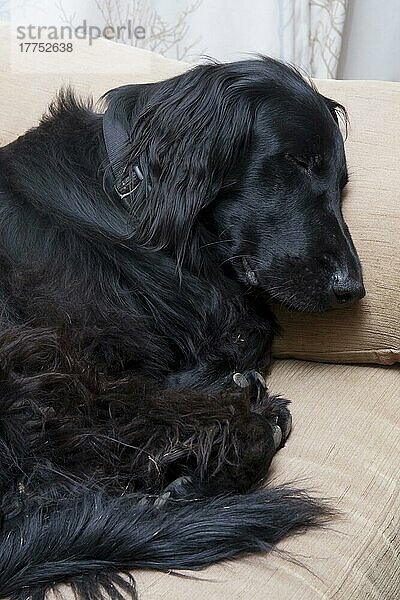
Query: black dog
[[139, 253]]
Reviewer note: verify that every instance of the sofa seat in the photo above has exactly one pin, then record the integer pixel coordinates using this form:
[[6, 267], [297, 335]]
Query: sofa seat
[[344, 446]]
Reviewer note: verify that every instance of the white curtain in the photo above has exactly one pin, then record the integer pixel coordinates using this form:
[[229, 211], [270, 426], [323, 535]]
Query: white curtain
[[311, 34], [305, 32], [4, 9]]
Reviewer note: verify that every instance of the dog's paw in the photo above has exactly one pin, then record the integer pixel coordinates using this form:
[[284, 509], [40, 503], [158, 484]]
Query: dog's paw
[[275, 410], [278, 415]]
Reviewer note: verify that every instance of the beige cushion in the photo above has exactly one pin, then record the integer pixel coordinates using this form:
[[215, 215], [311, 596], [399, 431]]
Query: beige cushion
[[344, 445], [368, 332]]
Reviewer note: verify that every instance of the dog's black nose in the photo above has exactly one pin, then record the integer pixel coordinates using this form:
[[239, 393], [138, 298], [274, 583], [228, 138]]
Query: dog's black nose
[[345, 289]]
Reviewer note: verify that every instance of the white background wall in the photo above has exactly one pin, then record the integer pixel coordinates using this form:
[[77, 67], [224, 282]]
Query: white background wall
[[230, 28], [371, 43], [371, 46]]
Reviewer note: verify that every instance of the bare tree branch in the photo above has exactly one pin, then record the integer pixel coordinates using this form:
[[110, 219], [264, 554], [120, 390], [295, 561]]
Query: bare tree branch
[[162, 36], [67, 19]]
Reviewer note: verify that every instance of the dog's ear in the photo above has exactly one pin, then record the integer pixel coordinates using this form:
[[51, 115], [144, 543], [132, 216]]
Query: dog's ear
[[339, 113], [185, 134]]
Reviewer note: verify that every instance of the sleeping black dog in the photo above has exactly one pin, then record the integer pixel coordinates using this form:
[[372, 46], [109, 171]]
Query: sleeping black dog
[[140, 251]]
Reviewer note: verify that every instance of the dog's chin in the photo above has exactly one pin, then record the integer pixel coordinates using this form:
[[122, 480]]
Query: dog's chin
[[308, 305], [292, 299]]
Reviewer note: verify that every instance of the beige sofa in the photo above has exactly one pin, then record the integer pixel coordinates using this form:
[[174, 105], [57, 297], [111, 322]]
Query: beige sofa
[[346, 438]]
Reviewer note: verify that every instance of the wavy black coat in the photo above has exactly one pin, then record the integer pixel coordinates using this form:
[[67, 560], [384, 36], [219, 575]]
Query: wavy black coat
[[124, 442]]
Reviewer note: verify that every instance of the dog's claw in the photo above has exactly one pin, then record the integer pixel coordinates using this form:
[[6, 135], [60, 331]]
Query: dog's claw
[[284, 424], [288, 427], [180, 487], [277, 436], [161, 500]]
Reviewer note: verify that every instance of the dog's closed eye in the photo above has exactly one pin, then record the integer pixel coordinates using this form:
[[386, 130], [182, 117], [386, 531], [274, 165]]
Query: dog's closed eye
[[305, 162]]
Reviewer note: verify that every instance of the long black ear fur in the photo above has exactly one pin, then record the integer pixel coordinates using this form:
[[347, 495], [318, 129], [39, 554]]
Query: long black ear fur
[[185, 133]]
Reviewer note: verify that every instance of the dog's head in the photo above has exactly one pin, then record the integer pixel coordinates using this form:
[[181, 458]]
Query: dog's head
[[246, 160]]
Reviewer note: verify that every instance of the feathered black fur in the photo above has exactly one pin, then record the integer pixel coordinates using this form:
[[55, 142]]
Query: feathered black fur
[[124, 441]]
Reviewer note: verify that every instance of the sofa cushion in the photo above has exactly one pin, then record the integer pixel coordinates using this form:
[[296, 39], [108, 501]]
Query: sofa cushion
[[368, 332], [344, 445]]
